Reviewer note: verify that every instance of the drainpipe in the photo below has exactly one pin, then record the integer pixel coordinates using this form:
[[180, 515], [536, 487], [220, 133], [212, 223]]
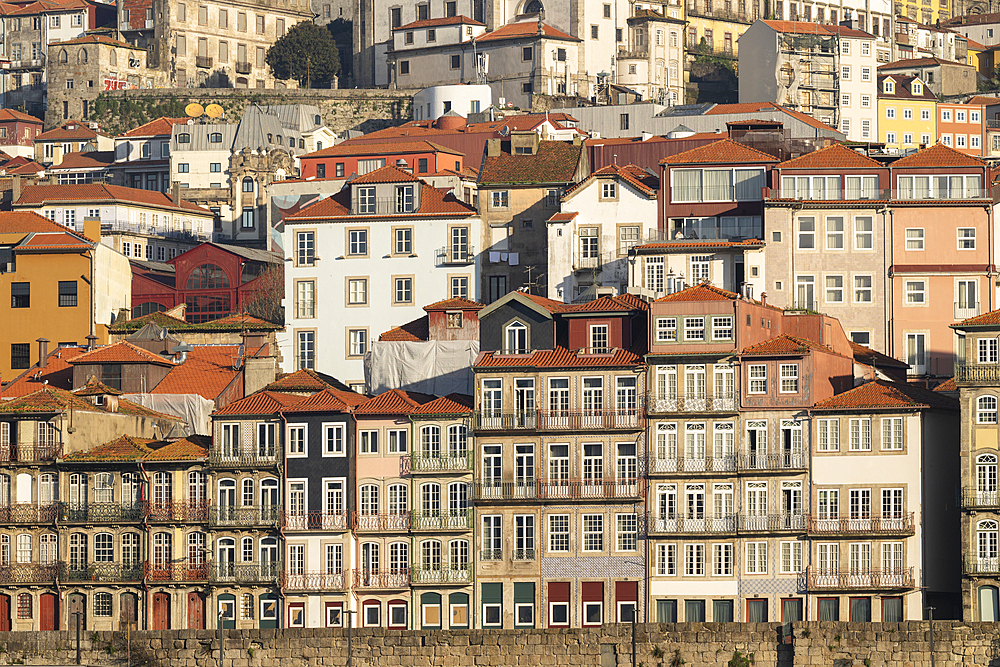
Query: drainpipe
[[149, 545], [281, 530], [887, 306], [92, 254], [991, 267]]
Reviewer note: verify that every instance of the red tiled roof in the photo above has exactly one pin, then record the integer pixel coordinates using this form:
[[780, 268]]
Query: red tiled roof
[[991, 318], [54, 241], [14, 114], [26, 222], [122, 352], [95, 387], [938, 155], [868, 356], [883, 394], [637, 177], [85, 160], [186, 449], [984, 100], [80, 132], [903, 90], [51, 399], [26, 169], [328, 400], [555, 162], [452, 404], [393, 402], [836, 156], [724, 151], [261, 403], [241, 321], [162, 126], [444, 20], [753, 107], [700, 292], [522, 29], [355, 147], [100, 39], [550, 305], [48, 6], [784, 344], [34, 195], [457, 303], [57, 372], [122, 448], [432, 202], [415, 331], [563, 217], [947, 385], [607, 304], [387, 174], [207, 371], [918, 62], [559, 357], [303, 381]]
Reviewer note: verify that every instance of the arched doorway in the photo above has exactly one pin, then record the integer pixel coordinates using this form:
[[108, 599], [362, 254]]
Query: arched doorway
[[989, 603]]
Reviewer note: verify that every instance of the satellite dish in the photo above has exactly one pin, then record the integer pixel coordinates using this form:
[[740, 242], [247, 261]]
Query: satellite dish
[[194, 110], [214, 111]]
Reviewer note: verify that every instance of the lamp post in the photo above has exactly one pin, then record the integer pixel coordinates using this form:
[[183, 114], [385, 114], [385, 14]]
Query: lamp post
[[350, 656], [222, 638], [635, 610], [930, 622]]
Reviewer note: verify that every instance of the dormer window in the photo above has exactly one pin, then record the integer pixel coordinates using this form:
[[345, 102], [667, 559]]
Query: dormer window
[[215, 138], [184, 138], [599, 338], [888, 87], [366, 200], [917, 88], [515, 338], [454, 320], [404, 199]]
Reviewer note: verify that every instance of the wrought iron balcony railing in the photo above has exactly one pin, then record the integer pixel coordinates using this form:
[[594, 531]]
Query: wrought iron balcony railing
[[29, 513], [441, 520], [29, 573], [769, 523], [668, 525], [866, 579], [249, 459], [379, 523], [676, 464], [725, 402], [30, 453], [425, 462], [779, 461], [972, 374], [977, 566], [245, 573], [177, 571], [100, 572], [248, 515], [203, 61], [316, 521], [178, 511], [455, 255], [243, 67], [522, 555], [102, 512], [558, 420], [555, 489], [875, 525], [388, 579], [974, 499], [440, 575], [491, 555], [314, 581]]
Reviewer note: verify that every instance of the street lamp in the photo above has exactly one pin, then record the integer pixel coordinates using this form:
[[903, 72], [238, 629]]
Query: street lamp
[[350, 657], [930, 622]]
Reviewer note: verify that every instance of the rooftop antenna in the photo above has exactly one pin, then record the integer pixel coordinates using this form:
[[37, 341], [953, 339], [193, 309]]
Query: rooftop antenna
[[529, 283]]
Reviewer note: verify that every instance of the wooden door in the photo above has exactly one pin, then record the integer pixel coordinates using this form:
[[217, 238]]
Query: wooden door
[[5, 613], [196, 611], [77, 605], [129, 611], [161, 611], [49, 619]]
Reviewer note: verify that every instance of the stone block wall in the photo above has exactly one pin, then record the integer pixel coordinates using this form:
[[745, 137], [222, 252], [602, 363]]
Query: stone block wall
[[657, 645]]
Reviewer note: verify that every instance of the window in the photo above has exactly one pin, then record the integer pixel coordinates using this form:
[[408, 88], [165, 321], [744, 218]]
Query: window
[[791, 557], [915, 239], [863, 233], [357, 342], [357, 291], [758, 379], [593, 532], [834, 289], [24, 604], [403, 239], [627, 532], [789, 378], [986, 410], [20, 295], [402, 291], [305, 248], [807, 233], [722, 328], [987, 350], [861, 435], [306, 349], [966, 238], [834, 233], [499, 199], [694, 328], [67, 293], [756, 557], [357, 244], [892, 433], [558, 532], [456, 61], [305, 299], [866, 101], [333, 439], [916, 292], [828, 432], [694, 560]]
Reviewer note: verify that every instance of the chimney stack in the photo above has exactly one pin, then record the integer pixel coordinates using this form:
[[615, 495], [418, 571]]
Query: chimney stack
[[43, 352], [175, 192], [91, 342], [16, 194], [493, 147]]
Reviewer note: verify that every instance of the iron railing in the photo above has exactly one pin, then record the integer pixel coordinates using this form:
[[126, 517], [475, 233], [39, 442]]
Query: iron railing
[[558, 420], [102, 512], [243, 460], [177, 571], [375, 523], [424, 462], [491, 554], [875, 525], [248, 515], [779, 461], [29, 513], [455, 255], [679, 464], [316, 521], [666, 525], [725, 402], [203, 61], [392, 578], [178, 511], [99, 572], [29, 573], [313, 581], [245, 573], [30, 453], [243, 67], [440, 575], [522, 554], [973, 498], [767, 523], [441, 520], [976, 566], [557, 489], [859, 579], [987, 374]]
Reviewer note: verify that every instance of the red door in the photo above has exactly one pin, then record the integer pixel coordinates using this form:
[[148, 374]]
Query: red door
[[50, 611], [4, 613], [161, 611], [196, 611]]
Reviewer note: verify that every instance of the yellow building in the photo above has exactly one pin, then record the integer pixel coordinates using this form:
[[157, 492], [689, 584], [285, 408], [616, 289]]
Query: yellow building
[[926, 12], [55, 284], [907, 112]]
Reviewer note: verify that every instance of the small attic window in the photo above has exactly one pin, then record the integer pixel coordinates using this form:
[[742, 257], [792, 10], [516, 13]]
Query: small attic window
[[184, 138], [454, 320], [215, 138], [918, 88], [888, 87], [401, 162], [71, 126], [317, 120]]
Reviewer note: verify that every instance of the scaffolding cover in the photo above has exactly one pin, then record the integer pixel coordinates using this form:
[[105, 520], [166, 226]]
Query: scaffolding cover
[[195, 410], [432, 367]]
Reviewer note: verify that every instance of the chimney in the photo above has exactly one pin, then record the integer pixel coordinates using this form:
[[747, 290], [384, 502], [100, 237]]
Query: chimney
[[175, 192], [749, 292], [493, 147], [16, 194], [91, 342], [43, 352], [763, 298]]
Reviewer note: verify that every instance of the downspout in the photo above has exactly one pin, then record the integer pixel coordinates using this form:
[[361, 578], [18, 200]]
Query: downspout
[[990, 266], [887, 304], [93, 257], [149, 545], [281, 527], [413, 540]]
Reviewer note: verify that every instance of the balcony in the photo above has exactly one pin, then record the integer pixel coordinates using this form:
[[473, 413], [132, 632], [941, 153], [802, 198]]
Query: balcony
[[966, 309], [491, 555], [902, 525], [964, 192], [249, 515], [179, 511], [868, 579], [676, 464], [771, 462], [974, 499], [315, 521], [177, 572], [558, 420], [203, 61], [245, 573], [434, 463], [977, 374], [314, 581], [243, 460], [381, 523], [455, 256], [388, 579], [102, 512], [640, 52], [772, 523], [102, 572], [692, 402], [28, 63], [189, 234], [440, 575], [522, 555], [981, 567], [446, 520], [243, 67], [29, 513], [583, 262], [29, 573], [558, 489], [30, 453], [723, 14], [725, 523], [384, 206]]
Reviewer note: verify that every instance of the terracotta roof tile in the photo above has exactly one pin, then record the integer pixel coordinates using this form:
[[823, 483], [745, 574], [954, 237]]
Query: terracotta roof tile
[[232, 323], [637, 177], [917, 62], [522, 29], [101, 39], [25, 222], [122, 352], [192, 447], [452, 404], [550, 305], [387, 174], [393, 402], [984, 100], [338, 207], [261, 403], [903, 90], [34, 195], [607, 304], [415, 331], [444, 20], [806, 28], [328, 400], [883, 394], [304, 381], [784, 344], [122, 448], [127, 407], [700, 292], [457, 303], [947, 385], [753, 107], [26, 169], [47, 400], [162, 126], [95, 387], [14, 114], [54, 241], [555, 162], [938, 155], [559, 357], [85, 160], [207, 371], [991, 318], [57, 372], [868, 356], [836, 156], [725, 151], [71, 129], [563, 217]]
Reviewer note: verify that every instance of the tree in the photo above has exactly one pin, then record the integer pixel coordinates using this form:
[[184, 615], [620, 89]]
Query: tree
[[307, 53]]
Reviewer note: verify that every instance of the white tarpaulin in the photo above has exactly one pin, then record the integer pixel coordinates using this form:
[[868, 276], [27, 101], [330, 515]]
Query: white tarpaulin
[[432, 367], [195, 410]]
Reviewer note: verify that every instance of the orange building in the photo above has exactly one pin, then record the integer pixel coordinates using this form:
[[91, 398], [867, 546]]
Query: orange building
[[962, 127]]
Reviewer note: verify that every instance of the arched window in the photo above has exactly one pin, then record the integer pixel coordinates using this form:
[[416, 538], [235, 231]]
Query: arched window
[[248, 492], [430, 499], [515, 338], [130, 550], [215, 138], [369, 499], [130, 488], [4, 489], [458, 554], [246, 550], [24, 548], [63, 56], [4, 550], [398, 499], [163, 492], [48, 551], [113, 59], [278, 140], [227, 492], [184, 138], [458, 498], [226, 547], [986, 410], [533, 7], [458, 440], [247, 184], [25, 483], [269, 496], [430, 555], [989, 603], [399, 557], [269, 557], [196, 550], [163, 550], [104, 487], [986, 545], [317, 120], [430, 440], [48, 489], [104, 548], [319, 145], [270, 138], [78, 489], [82, 56], [197, 487], [208, 276], [986, 478]]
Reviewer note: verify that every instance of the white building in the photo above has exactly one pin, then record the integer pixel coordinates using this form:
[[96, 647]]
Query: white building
[[436, 101], [600, 221], [827, 72], [366, 260]]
